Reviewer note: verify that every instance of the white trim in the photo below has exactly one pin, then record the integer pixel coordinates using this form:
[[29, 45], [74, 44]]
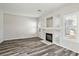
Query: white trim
[[1, 41], [19, 38], [66, 47]]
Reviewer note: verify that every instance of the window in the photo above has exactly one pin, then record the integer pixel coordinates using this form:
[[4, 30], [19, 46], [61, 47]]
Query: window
[[71, 25]]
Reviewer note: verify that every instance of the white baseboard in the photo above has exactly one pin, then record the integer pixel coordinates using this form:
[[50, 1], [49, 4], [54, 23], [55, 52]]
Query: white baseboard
[[59, 44], [46, 42], [18, 38], [1, 41], [66, 47]]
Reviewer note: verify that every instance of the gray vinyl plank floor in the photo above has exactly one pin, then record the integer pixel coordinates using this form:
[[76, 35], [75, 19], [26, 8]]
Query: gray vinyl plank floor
[[32, 47]]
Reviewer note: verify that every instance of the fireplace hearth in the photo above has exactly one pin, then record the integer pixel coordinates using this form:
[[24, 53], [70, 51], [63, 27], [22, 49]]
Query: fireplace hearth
[[49, 37]]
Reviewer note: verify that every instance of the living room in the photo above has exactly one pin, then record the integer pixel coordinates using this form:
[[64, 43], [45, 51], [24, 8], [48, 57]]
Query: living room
[[39, 29]]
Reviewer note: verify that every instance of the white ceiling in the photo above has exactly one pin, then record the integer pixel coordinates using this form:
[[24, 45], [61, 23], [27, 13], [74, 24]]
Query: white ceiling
[[29, 9]]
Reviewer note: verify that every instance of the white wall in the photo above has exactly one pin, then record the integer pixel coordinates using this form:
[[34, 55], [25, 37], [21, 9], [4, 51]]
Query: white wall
[[1, 26], [58, 15], [16, 27]]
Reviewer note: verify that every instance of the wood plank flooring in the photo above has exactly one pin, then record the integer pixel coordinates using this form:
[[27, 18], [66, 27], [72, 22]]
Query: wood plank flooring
[[32, 47]]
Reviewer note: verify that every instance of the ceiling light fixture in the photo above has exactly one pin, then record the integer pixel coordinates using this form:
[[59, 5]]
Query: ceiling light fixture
[[39, 10]]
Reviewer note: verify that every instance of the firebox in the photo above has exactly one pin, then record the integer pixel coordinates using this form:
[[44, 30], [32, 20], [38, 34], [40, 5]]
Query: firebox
[[49, 37]]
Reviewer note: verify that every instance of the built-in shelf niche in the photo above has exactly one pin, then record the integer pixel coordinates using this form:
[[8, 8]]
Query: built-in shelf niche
[[49, 22]]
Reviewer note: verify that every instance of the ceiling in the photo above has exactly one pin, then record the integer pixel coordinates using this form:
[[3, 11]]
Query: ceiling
[[29, 9]]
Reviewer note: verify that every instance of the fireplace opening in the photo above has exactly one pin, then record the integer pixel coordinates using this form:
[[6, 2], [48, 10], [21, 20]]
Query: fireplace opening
[[49, 37]]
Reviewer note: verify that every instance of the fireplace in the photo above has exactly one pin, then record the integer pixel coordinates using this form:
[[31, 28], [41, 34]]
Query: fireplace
[[49, 37]]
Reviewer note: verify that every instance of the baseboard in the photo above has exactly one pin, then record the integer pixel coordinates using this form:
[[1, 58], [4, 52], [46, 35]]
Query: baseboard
[[1, 41], [19, 38], [69, 48], [46, 42], [66, 47]]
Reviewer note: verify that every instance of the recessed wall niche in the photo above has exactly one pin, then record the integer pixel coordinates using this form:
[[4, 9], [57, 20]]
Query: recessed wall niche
[[49, 22]]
